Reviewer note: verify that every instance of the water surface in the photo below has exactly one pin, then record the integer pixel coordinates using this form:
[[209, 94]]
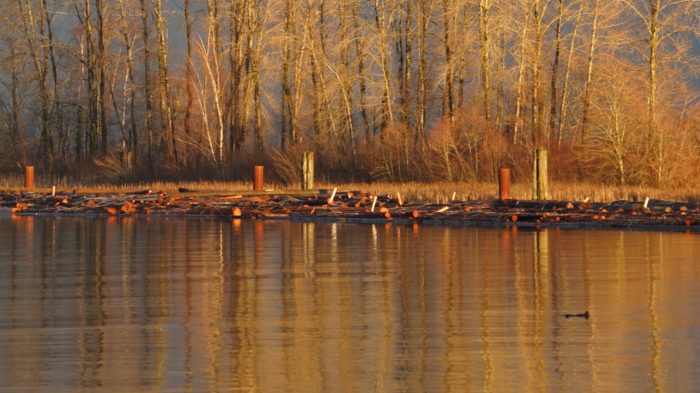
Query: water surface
[[197, 305]]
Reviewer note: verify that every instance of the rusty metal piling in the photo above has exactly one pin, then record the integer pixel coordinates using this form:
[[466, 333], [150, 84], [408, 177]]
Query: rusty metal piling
[[29, 177], [504, 184], [259, 178]]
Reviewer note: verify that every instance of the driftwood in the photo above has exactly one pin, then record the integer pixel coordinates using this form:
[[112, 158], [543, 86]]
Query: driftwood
[[355, 205]]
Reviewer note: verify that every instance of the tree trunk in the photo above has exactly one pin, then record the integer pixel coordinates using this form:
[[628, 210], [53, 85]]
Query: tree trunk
[[565, 94], [537, 134], [359, 53], [501, 97], [315, 72], [91, 69], [167, 127], [54, 73], [517, 127], [425, 11], [14, 92], [344, 76], [448, 93], [387, 115], [408, 48], [40, 68], [101, 72], [654, 8], [484, 6], [237, 18], [589, 72], [133, 130], [555, 69], [188, 73], [147, 84], [285, 109]]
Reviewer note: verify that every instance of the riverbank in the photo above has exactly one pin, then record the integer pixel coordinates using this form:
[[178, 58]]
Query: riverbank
[[358, 206]]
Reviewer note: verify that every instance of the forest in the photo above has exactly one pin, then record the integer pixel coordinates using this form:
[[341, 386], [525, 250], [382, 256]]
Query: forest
[[380, 90]]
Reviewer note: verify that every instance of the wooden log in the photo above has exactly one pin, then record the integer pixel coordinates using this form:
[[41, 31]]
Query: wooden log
[[273, 215], [372, 215], [140, 192], [128, 208], [533, 205], [332, 198]]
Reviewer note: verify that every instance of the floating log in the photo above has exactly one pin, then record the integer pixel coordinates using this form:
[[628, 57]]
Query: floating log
[[140, 192], [357, 205]]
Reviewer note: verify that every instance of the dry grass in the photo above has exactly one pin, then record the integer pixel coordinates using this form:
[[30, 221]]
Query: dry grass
[[411, 191], [440, 192]]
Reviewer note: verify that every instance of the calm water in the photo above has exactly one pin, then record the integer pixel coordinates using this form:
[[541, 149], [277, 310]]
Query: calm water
[[173, 305]]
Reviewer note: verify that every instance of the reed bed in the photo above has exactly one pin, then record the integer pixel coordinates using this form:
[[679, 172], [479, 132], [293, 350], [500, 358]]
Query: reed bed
[[439, 192]]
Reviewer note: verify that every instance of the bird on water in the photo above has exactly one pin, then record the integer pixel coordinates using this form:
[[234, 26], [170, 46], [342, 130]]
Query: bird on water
[[585, 315]]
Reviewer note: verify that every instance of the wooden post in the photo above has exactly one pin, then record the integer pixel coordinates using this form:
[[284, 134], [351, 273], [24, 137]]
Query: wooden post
[[29, 177], [504, 184], [259, 178], [539, 175], [307, 171]]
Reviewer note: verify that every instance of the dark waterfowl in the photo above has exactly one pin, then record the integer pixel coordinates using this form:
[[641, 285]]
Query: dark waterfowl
[[585, 315]]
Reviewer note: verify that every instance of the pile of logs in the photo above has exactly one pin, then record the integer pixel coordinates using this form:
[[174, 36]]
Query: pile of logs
[[354, 206]]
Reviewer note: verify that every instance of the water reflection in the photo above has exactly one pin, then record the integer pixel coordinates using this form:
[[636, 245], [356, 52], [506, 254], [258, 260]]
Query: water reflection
[[177, 305]]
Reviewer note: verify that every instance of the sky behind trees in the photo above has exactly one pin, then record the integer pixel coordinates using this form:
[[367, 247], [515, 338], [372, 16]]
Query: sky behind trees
[[392, 90]]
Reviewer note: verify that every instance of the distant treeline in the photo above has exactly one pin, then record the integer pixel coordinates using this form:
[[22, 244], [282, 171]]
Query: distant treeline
[[400, 90]]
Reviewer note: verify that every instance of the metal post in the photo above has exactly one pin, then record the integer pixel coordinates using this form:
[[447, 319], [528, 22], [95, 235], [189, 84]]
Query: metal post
[[539, 175], [259, 178], [504, 184], [307, 171], [29, 177]]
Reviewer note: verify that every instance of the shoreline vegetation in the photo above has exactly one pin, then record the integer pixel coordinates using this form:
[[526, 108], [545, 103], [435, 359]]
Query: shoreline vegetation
[[379, 91], [434, 192], [431, 204]]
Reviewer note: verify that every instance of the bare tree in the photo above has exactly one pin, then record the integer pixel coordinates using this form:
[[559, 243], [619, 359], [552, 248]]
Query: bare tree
[[361, 76], [555, 69], [188, 70], [38, 54], [484, 33], [382, 30], [127, 40], [147, 83], [168, 140], [589, 70], [563, 104], [663, 23]]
